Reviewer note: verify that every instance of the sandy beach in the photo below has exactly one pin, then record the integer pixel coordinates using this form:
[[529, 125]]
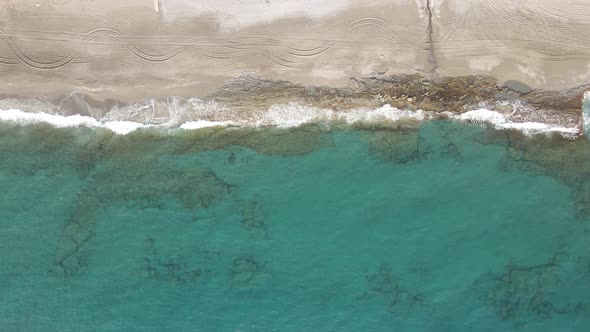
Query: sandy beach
[[194, 46], [114, 52]]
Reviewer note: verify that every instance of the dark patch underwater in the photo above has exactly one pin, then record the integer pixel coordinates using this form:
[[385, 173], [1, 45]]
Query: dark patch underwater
[[437, 227]]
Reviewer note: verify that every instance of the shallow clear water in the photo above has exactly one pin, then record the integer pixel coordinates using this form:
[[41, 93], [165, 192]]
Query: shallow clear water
[[367, 231]]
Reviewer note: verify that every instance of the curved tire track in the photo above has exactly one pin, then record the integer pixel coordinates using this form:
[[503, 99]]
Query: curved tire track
[[275, 51]]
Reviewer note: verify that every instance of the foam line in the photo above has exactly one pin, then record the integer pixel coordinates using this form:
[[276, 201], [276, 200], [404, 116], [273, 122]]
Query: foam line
[[292, 115], [60, 121], [499, 121]]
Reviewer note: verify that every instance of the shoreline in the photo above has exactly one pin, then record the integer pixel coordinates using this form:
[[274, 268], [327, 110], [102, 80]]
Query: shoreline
[[117, 62], [252, 101], [294, 115]]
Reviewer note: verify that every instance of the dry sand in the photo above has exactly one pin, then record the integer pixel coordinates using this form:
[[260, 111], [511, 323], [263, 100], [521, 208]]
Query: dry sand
[[134, 49]]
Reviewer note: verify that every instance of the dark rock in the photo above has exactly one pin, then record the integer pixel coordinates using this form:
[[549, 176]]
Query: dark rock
[[517, 86]]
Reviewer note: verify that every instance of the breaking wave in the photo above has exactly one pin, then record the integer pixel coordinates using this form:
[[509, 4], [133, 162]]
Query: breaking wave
[[193, 113]]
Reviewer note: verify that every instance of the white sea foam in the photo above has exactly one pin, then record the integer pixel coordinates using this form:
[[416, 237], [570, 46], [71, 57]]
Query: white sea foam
[[481, 116], [60, 121], [204, 124], [122, 127], [294, 114], [499, 121], [201, 115]]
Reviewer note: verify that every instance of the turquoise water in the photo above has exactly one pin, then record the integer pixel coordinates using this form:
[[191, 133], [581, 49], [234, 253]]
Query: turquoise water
[[447, 228]]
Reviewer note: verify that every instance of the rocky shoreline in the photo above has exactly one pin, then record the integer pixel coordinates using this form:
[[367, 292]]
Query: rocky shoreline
[[229, 61], [247, 98]]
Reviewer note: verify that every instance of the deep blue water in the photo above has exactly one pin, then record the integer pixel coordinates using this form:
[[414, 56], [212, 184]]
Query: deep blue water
[[443, 229]]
